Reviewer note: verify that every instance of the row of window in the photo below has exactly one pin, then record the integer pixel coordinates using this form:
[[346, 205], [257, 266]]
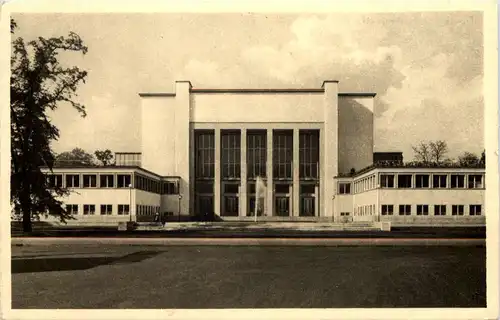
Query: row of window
[[256, 147], [417, 181], [128, 159], [367, 210], [431, 181], [108, 181], [365, 184], [439, 209], [108, 209], [105, 209], [234, 188]]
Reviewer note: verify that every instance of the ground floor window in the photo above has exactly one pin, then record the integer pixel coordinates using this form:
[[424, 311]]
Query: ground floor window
[[89, 209], [422, 210], [440, 210], [72, 209], [457, 210], [123, 209], [387, 209], [475, 210], [106, 209], [404, 209]]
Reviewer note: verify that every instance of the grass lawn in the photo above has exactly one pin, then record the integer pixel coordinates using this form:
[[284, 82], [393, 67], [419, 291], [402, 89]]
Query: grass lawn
[[66, 276]]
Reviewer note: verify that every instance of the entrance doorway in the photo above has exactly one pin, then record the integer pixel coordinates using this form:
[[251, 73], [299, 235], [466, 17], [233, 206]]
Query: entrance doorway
[[204, 200], [282, 194], [205, 205], [308, 199], [230, 199]]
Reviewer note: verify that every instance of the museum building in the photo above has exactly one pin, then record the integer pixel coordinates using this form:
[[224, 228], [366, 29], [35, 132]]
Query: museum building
[[204, 149]]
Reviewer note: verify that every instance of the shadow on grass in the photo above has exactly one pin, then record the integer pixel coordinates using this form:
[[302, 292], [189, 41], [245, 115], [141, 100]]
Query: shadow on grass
[[79, 263]]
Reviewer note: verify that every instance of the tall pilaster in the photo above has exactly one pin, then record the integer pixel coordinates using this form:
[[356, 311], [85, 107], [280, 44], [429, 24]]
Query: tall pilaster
[[243, 174], [182, 141], [269, 171], [217, 171], [330, 144], [296, 173]]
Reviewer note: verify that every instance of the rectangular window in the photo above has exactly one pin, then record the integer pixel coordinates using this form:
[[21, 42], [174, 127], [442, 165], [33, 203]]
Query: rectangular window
[[404, 181], [457, 210], [345, 214], [475, 210], [72, 181], [124, 180], [422, 181], [475, 181], [387, 180], [89, 180], [344, 188], [123, 209], [230, 153], [72, 209], [422, 210], [282, 154], [256, 153], [440, 210], [404, 209], [55, 180], [204, 187], [307, 188], [439, 181], [387, 209], [308, 154], [107, 180], [170, 188], [282, 188], [128, 159], [89, 209], [458, 181], [106, 209], [204, 154]]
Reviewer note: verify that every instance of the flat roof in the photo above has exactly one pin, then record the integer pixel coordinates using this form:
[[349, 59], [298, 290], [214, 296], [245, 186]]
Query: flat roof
[[412, 167], [115, 167], [201, 90]]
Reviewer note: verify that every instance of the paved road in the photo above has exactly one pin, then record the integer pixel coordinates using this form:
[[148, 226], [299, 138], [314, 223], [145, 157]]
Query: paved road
[[111, 276], [396, 233]]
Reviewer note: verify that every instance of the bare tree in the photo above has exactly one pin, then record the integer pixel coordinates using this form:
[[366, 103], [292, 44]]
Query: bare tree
[[439, 149], [431, 152], [422, 152]]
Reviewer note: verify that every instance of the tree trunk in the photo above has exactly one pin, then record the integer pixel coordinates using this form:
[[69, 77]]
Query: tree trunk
[[26, 210]]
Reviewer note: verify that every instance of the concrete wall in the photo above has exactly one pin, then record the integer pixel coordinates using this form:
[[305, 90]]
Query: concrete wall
[[166, 141], [355, 133], [257, 107], [170, 203], [344, 203], [147, 198], [97, 197], [329, 148], [432, 197], [158, 134], [434, 221]]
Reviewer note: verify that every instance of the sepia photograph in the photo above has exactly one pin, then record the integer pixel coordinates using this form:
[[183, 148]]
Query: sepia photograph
[[251, 160]]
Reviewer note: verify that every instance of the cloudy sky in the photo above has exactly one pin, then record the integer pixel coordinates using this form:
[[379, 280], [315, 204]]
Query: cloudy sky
[[426, 68]]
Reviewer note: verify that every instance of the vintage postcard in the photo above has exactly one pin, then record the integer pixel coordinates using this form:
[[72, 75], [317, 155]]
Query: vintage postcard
[[242, 160]]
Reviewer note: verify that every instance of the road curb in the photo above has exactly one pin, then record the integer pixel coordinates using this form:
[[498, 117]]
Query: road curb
[[250, 241]]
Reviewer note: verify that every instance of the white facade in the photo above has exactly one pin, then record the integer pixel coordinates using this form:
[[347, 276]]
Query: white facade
[[291, 124]]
